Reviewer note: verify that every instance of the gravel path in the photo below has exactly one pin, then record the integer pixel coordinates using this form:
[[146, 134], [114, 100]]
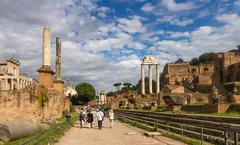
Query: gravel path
[[120, 134]]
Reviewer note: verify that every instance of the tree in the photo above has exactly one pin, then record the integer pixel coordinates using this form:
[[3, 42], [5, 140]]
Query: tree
[[180, 60], [111, 93], [194, 61], [85, 93], [127, 85], [117, 85], [206, 57]]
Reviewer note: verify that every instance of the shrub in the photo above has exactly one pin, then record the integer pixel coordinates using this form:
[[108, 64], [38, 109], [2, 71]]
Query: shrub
[[161, 108], [147, 108]]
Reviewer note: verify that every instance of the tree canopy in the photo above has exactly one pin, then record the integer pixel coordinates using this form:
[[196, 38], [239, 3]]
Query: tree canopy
[[118, 86], [180, 60], [127, 85], [85, 93]]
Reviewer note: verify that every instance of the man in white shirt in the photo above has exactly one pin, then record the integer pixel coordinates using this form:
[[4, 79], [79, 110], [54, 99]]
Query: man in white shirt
[[100, 116]]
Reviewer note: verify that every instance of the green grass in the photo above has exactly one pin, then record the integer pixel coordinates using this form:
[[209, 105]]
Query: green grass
[[47, 136]]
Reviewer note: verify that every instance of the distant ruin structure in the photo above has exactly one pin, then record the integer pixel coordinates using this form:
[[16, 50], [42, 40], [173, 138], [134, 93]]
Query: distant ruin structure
[[69, 90], [150, 61], [10, 76], [102, 98]]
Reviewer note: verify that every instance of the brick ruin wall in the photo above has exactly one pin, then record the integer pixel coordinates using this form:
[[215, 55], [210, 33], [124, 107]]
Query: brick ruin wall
[[24, 104]]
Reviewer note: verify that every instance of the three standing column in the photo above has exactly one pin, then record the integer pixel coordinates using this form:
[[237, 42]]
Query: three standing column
[[150, 79]]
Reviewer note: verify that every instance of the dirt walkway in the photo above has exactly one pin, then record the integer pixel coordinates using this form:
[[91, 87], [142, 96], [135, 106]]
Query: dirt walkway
[[120, 134]]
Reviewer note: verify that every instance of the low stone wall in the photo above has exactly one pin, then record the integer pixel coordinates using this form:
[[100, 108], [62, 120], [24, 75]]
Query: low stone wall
[[206, 108], [27, 105]]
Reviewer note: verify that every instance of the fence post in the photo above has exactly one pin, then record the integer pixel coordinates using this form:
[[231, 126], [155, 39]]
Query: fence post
[[157, 125], [181, 130], [225, 137], [202, 134], [167, 127], [235, 138]]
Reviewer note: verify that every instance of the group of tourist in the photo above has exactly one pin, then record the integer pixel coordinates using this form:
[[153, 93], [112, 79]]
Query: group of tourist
[[86, 116]]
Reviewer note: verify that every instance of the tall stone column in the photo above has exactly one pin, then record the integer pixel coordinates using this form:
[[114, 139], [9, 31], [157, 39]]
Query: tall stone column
[[58, 83], [45, 72], [58, 59], [150, 78], [142, 80], [157, 79], [46, 61]]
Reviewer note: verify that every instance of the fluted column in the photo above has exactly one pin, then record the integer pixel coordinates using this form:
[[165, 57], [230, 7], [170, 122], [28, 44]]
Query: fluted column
[[58, 59], [6, 84], [142, 79], [11, 85], [46, 47], [157, 79], [18, 86], [150, 78]]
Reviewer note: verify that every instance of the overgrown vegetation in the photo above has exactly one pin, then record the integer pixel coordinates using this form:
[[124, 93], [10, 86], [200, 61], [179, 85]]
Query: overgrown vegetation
[[47, 136], [42, 98]]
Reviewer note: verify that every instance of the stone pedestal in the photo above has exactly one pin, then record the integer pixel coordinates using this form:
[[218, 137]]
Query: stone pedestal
[[58, 85], [46, 77]]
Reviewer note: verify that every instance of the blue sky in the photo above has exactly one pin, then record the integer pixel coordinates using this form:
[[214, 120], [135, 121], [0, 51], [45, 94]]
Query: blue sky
[[104, 41]]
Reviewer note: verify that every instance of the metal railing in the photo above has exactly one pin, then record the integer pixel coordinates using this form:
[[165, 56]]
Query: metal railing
[[213, 130]]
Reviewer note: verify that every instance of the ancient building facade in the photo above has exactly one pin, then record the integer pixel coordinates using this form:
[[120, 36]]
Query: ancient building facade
[[190, 76], [223, 74], [10, 76]]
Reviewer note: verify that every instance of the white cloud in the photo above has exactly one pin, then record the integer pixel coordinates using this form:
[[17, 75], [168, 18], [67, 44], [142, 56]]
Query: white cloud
[[178, 34], [171, 5], [237, 3], [147, 7], [205, 38], [131, 25], [175, 21]]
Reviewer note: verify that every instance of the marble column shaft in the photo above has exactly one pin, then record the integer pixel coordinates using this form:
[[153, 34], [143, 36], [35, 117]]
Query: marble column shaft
[[150, 78], [58, 59], [142, 80], [46, 47], [157, 79]]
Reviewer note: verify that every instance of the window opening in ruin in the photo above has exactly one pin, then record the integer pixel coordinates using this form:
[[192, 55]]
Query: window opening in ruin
[[205, 70], [194, 70]]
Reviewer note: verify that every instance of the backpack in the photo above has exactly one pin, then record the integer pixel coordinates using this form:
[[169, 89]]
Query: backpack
[[82, 115]]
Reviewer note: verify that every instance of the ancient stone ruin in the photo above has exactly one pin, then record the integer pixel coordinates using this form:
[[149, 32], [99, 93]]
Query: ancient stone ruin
[[23, 111]]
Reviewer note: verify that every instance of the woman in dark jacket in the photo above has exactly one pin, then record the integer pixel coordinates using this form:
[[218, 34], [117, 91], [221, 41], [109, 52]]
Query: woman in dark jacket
[[90, 119]]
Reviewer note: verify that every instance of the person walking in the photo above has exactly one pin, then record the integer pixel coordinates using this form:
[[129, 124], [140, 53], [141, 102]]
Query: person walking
[[111, 117], [89, 119], [99, 118], [82, 116]]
